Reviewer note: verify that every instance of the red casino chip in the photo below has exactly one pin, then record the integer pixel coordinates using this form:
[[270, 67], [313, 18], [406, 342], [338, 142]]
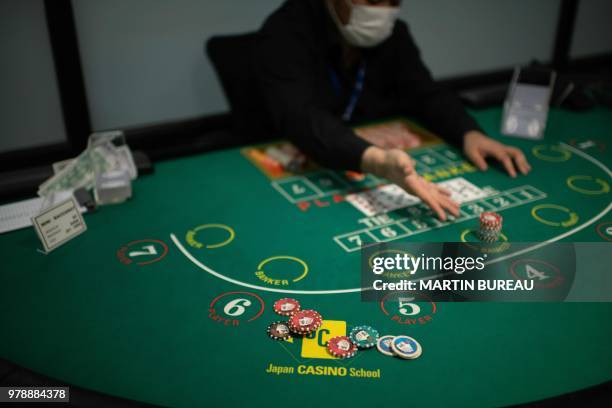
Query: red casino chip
[[341, 347], [490, 226], [489, 219], [354, 176], [286, 306], [305, 321]]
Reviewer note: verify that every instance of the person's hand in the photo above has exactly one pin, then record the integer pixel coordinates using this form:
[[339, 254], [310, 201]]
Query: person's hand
[[394, 164], [437, 198], [389, 136], [398, 167], [477, 147]]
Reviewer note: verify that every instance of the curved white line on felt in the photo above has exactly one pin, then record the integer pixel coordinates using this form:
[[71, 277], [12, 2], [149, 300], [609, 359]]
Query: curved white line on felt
[[353, 290]]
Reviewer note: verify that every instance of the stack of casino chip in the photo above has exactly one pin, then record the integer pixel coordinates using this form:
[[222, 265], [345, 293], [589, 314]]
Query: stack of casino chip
[[490, 226], [404, 347], [305, 321], [363, 337], [341, 347]]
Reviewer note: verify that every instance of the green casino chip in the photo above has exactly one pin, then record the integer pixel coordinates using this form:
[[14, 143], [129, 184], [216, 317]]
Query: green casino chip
[[364, 337]]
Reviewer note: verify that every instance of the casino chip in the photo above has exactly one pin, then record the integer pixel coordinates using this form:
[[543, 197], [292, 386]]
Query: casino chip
[[364, 337], [354, 176], [286, 306], [406, 347], [384, 345], [279, 331], [341, 347], [305, 321], [490, 226]]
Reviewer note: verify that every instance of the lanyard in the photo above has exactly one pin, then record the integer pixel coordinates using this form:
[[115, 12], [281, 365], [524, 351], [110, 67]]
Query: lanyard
[[348, 111]]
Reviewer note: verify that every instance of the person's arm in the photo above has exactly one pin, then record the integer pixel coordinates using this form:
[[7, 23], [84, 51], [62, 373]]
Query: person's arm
[[477, 147], [439, 109], [286, 74], [443, 113], [397, 166]]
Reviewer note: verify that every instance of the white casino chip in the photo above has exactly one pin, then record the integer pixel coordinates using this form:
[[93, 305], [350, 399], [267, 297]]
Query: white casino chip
[[406, 347]]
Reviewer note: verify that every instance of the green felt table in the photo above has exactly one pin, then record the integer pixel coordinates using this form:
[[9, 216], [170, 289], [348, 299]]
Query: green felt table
[[166, 298]]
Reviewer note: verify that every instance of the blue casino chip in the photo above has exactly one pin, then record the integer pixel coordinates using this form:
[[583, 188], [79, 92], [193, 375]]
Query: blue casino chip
[[406, 347]]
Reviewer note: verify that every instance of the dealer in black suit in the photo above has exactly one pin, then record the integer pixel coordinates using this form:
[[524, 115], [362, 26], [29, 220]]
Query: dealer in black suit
[[324, 64]]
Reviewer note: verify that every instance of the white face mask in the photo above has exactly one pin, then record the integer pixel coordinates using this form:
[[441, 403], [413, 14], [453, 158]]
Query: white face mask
[[368, 26]]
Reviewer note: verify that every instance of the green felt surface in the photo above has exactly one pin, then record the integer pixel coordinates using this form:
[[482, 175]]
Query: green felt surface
[[146, 332]]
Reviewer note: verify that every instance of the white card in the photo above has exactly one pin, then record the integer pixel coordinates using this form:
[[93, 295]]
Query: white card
[[381, 199], [391, 197], [462, 190], [59, 224]]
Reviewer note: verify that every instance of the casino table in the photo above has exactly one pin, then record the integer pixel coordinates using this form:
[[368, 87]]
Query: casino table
[[166, 298]]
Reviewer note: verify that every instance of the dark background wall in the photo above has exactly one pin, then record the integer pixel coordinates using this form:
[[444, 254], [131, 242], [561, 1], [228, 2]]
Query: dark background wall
[[143, 62]]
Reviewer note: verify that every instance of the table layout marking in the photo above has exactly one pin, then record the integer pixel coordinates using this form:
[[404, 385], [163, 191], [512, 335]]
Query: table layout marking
[[572, 216], [190, 236], [604, 186], [570, 232], [533, 194], [262, 276], [555, 239], [268, 289], [353, 290], [248, 285], [565, 155], [588, 157], [372, 181]]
